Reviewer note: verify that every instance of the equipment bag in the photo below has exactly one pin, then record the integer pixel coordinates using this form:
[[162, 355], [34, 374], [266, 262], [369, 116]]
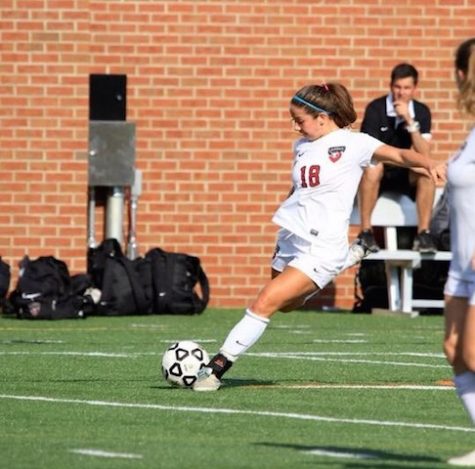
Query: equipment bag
[[5, 277], [175, 278], [45, 290], [440, 222], [96, 259], [122, 282], [370, 287]]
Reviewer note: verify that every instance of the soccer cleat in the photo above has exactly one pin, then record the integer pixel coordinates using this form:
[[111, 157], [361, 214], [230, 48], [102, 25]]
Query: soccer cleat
[[206, 381], [424, 242], [366, 239], [467, 460], [356, 253]]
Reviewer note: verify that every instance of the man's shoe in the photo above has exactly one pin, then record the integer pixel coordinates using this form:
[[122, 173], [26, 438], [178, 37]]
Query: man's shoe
[[206, 381], [366, 239], [467, 460], [424, 242]]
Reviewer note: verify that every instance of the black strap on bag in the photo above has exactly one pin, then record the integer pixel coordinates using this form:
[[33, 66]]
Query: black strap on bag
[[137, 287], [119, 279], [96, 259], [174, 280]]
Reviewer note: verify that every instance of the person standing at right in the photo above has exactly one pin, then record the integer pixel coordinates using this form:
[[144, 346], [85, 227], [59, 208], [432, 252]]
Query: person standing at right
[[403, 122], [459, 291]]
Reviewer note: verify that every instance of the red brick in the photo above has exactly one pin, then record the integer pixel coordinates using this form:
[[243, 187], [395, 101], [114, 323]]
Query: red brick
[[209, 84]]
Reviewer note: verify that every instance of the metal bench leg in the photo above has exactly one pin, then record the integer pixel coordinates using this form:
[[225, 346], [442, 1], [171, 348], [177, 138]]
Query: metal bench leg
[[394, 296], [406, 289]]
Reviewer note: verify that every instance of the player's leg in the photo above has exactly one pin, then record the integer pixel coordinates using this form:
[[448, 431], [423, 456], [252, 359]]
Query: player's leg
[[454, 316], [465, 361], [368, 193], [425, 193], [469, 339], [459, 346], [283, 291]]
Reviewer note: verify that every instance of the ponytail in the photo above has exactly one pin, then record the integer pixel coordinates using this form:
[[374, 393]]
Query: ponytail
[[331, 98]]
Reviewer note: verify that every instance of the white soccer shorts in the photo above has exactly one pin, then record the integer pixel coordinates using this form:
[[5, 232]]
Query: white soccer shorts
[[460, 288], [321, 262]]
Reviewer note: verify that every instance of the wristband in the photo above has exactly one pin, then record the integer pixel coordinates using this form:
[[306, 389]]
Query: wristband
[[414, 127]]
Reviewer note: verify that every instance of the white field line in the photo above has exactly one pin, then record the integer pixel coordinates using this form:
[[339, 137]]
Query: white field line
[[288, 326], [105, 454], [199, 341], [297, 356], [83, 354], [392, 387], [340, 341], [267, 354], [312, 356], [259, 413], [409, 354]]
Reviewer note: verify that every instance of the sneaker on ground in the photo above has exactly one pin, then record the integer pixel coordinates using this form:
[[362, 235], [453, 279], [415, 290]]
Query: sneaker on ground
[[424, 242], [206, 381], [366, 239], [467, 460]]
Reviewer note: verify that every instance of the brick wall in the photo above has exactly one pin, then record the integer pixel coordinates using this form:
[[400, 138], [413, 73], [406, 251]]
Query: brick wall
[[209, 84]]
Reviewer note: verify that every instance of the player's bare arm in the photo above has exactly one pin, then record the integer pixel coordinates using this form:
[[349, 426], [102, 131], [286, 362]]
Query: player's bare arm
[[406, 158]]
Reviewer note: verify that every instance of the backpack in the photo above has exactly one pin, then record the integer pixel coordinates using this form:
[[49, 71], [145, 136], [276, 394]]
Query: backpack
[[440, 222], [45, 290], [122, 282], [175, 277], [5, 277], [370, 287]]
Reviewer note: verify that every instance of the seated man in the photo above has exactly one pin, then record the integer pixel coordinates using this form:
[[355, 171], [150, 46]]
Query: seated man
[[399, 120]]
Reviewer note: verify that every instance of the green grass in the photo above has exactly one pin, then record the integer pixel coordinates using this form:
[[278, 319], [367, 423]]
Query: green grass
[[102, 387]]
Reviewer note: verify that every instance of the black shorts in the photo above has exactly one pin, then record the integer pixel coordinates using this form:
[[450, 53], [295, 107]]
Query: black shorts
[[396, 179]]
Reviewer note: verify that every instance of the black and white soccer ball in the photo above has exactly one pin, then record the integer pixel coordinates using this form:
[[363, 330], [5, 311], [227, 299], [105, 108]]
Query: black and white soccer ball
[[182, 361]]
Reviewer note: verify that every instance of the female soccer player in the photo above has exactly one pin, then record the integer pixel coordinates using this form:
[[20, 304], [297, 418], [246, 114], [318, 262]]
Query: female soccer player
[[459, 341], [312, 245]]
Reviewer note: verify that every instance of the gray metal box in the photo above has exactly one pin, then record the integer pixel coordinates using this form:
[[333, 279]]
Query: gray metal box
[[111, 153]]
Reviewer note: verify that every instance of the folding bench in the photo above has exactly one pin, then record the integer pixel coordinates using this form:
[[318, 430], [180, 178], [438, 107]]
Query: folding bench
[[394, 210]]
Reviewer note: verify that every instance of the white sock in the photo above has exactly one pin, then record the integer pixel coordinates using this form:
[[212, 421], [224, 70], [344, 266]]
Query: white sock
[[465, 386], [244, 335]]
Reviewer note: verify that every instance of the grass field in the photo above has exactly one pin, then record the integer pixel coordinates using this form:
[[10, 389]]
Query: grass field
[[331, 390]]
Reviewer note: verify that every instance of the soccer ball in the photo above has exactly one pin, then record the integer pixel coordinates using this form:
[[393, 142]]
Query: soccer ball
[[182, 361]]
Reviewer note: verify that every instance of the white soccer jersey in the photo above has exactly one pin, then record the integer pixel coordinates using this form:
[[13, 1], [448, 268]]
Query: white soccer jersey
[[461, 180], [326, 175]]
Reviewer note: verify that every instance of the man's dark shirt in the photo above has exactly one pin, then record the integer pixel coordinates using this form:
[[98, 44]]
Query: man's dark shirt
[[378, 124]]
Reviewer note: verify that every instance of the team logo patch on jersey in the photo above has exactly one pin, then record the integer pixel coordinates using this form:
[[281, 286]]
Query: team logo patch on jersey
[[335, 153]]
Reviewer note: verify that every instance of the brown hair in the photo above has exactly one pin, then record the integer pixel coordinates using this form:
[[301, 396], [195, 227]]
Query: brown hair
[[404, 70], [332, 99], [465, 62]]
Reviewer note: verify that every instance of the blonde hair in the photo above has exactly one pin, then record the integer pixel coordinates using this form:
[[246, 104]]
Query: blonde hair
[[465, 63], [331, 98]]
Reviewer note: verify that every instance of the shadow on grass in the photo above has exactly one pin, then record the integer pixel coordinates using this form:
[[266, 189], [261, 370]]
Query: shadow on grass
[[359, 457], [227, 383], [236, 383]]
